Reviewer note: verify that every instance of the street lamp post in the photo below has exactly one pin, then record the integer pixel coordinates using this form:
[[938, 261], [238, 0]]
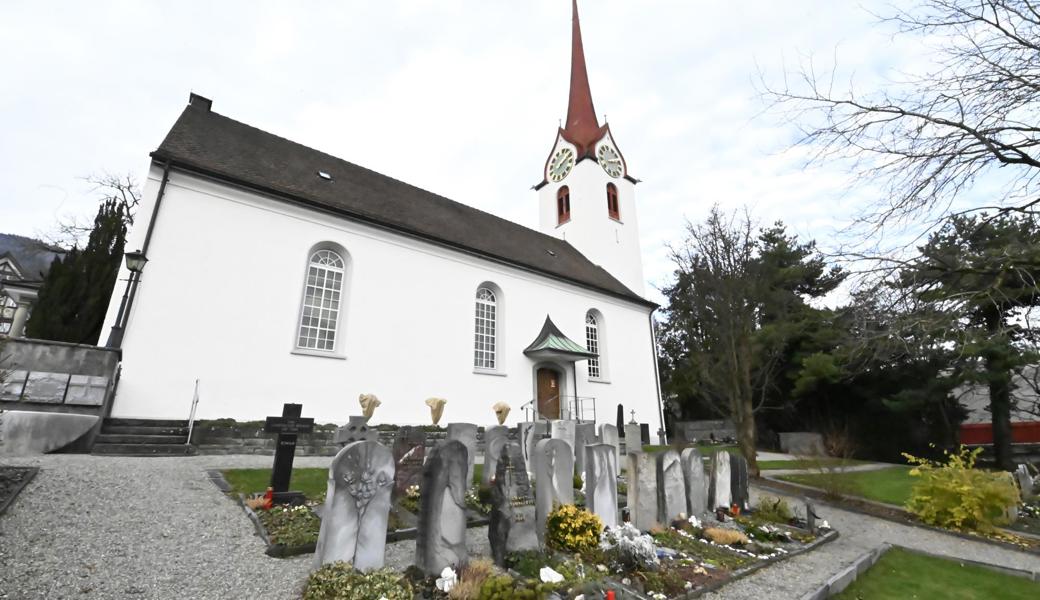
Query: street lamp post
[[135, 262]]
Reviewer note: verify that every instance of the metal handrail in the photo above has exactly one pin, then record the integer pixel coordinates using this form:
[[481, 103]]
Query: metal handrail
[[572, 408], [191, 415]]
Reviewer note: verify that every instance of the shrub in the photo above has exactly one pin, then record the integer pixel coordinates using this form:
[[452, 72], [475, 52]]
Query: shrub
[[959, 496], [339, 581], [572, 529], [775, 510], [577, 482], [504, 587], [471, 579], [725, 537], [291, 526]]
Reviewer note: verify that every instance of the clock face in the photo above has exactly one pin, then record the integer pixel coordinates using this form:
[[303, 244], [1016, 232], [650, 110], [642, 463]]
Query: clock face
[[561, 164], [610, 160]]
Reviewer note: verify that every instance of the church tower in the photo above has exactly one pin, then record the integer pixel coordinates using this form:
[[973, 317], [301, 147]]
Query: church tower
[[587, 196]]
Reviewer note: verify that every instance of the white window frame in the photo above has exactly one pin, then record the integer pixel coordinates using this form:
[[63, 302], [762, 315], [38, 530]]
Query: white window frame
[[321, 306], [595, 342], [486, 330]]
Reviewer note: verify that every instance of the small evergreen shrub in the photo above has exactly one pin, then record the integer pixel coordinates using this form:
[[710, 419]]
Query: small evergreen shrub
[[775, 510], [504, 587], [572, 529], [339, 581], [956, 495]]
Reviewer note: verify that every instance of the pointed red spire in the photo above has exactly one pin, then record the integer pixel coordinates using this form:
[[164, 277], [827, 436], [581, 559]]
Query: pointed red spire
[[582, 127]]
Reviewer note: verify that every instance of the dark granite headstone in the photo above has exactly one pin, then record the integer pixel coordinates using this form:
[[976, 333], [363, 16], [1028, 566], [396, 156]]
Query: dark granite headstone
[[738, 475], [441, 532], [512, 527], [287, 426], [644, 433], [409, 455]]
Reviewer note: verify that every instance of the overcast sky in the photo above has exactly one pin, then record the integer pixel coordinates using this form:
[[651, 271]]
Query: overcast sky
[[460, 97]]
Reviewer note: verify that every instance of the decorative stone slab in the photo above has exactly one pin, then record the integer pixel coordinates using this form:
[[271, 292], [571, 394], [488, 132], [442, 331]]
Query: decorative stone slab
[[512, 527], [11, 388], [86, 390], [719, 488], [357, 506], [642, 490], [601, 482], [633, 438], [409, 456], [491, 434], [356, 430], [802, 443], [738, 474], [528, 433], [45, 388], [467, 434], [671, 487], [608, 434], [584, 435], [26, 432], [564, 430], [696, 481], [441, 532], [553, 478]]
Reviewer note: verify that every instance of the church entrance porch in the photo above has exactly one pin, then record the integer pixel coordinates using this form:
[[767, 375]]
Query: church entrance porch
[[554, 396], [548, 390]]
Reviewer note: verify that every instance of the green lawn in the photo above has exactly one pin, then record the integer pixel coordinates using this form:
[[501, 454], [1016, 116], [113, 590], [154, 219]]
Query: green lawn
[[891, 485], [312, 482], [903, 574], [773, 465]]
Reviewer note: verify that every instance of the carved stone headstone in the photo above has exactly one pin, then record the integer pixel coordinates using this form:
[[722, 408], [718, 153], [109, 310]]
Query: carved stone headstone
[[719, 487], [584, 435], [528, 434], [441, 531], [608, 434], [553, 479], [491, 434], [512, 527], [1025, 481], [357, 504], [356, 430], [633, 439], [696, 482], [564, 430], [738, 474], [409, 455], [467, 434], [601, 482], [810, 517], [491, 455], [671, 488], [642, 490]]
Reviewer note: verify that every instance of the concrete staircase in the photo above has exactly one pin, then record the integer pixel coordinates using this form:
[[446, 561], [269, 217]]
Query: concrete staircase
[[143, 437]]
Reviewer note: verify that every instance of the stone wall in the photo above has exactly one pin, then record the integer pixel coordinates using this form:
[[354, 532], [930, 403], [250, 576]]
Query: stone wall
[[691, 431], [230, 437]]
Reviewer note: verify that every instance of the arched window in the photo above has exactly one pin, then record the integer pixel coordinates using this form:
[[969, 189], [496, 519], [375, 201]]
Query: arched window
[[613, 208], [563, 205], [321, 301], [592, 344], [486, 330]]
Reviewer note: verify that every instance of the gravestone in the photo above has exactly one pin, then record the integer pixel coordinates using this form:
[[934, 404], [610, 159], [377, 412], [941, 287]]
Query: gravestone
[[467, 434], [644, 433], [601, 482], [696, 482], [633, 439], [356, 430], [491, 454], [441, 531], [671, 488], [738, 473], [584, 435], [719, 488], [608, 434], [810, 517], [802, 443], [409, 455], [1025, 481], [642, 490], [491, 434], [528, 434], [512, 527], [287, 426], [553, 479], [357, 505], [564, 430]]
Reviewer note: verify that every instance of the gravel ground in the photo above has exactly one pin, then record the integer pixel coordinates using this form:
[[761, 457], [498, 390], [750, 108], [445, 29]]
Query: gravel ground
[[112, 527]]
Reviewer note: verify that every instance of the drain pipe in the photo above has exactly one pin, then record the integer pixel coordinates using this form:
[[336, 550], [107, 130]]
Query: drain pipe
[[661, 434]]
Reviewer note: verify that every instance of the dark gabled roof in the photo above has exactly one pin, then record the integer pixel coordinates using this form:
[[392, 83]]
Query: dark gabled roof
[[31, 257], [214, 145]]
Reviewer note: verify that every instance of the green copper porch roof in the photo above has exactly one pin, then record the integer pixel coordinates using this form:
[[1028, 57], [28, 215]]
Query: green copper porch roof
[[552, 342]]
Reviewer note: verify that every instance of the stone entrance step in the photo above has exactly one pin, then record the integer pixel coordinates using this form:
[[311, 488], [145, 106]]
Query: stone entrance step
[[143, 437], [122, 438]]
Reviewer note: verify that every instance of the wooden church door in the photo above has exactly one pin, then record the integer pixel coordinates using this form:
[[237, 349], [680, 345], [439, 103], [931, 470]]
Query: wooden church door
[[548, 394]]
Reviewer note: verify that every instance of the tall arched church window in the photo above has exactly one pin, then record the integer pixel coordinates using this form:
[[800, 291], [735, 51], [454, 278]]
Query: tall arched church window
[[322, 296], [613, 208], [563, 205], [485, 345], [592, 344]]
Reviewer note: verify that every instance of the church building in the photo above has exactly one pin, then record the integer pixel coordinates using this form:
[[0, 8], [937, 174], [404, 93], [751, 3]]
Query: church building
[[277, 273]]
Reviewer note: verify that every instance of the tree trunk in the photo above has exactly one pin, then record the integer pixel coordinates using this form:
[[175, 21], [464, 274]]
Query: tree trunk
[[999, 378]]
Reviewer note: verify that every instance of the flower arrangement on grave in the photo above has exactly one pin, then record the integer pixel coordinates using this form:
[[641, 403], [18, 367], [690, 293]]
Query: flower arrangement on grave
[[475, 501], [291, 525], [630, 547], [339, 581], [572, 529]]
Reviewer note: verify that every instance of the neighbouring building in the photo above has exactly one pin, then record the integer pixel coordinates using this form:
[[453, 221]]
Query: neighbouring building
[[24, 262], [278, 273]]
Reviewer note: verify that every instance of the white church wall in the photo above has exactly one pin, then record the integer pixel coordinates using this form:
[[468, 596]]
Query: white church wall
[[220, 301]]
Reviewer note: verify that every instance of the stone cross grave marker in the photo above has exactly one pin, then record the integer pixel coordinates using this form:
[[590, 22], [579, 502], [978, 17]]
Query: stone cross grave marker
[[409, 455], [467, 434], [601, 482], [491, 437], [738, 474], [696, 482], [441, 531], [720, 487], [512, 527], [608, 434], [671, 487], [357, 506], [642, 490], [553, 479], [287, 426], [584, 435], [356, 430]]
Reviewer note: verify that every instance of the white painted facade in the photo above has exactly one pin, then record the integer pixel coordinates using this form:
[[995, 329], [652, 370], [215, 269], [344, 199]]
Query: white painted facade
[[220, 301]]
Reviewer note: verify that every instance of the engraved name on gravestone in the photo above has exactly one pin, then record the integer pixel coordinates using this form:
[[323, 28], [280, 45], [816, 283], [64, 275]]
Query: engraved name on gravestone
[[608, 434], [719, 488], [601, 482], [642, 490], [671, 488], [738, 476], [584, 435], [491, 437], [287, 426], [512, 527], [409, 455], [467, 434], [553, 479], [696, 482], [357, 506], [441, 531]]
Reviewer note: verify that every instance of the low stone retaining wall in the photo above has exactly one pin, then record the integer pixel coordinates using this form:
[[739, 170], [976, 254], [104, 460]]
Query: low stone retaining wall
[[223, 437]]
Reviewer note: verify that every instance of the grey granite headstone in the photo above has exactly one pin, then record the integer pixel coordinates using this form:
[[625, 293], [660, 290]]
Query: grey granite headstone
[[738, 473], [719, 488], [553, 479], [441, 531], [491, 455], [409, 455], [528, 434], [467, 434], [564, 430], [642, 490], [696, 482], [584, 434], [357, 505], [491, 434], [512, 527], [608, 434], [633, 441], [671, 488], [356, 430], [601, 482]]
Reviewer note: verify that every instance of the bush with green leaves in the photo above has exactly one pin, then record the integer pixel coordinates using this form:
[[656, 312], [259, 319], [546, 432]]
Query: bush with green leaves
[[291, 525], [504, 587], [572, 529], [339, 581], [775, 510], [956, 495]]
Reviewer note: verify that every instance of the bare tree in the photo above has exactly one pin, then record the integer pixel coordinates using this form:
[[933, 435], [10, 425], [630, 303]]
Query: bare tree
[[122, 190]]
